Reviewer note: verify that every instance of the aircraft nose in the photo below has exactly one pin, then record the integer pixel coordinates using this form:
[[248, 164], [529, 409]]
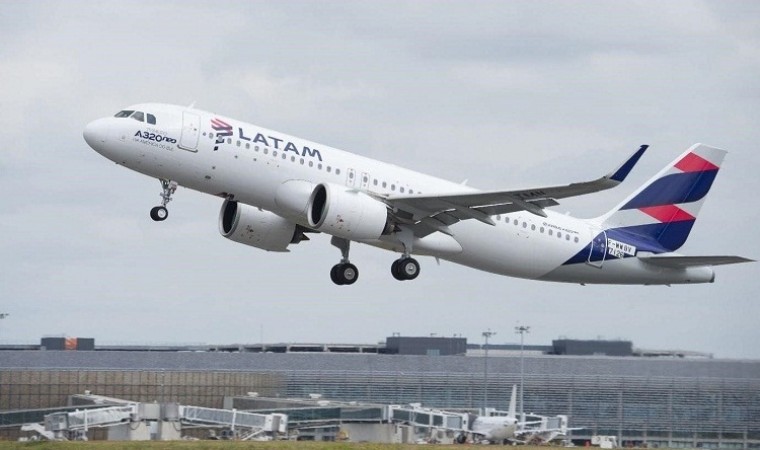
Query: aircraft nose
[[95, 133]]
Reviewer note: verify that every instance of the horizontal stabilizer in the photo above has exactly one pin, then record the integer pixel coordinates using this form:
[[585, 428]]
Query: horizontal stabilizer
[[684, 262]]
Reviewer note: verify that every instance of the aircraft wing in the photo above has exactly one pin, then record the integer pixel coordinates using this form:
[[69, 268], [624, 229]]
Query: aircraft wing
[[684, 262], [431, 213]]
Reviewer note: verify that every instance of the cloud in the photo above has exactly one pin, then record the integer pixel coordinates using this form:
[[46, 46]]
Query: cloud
[[505, 94]]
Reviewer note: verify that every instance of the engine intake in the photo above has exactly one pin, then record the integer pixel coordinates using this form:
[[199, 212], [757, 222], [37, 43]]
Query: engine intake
[[258, 228], [347, 213]]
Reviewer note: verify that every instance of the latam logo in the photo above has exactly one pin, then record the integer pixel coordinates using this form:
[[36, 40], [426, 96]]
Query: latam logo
[[224, 130]]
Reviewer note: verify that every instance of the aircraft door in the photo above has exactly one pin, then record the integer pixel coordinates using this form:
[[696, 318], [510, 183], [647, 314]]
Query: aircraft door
[[365, 180], [191, 125], [351, 178], [598, 252]]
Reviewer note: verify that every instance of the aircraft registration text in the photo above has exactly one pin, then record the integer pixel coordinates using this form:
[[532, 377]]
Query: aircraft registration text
[[620, 249]]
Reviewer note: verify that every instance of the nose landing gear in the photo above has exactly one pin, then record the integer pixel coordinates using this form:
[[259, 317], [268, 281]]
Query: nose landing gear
[[160, 213]]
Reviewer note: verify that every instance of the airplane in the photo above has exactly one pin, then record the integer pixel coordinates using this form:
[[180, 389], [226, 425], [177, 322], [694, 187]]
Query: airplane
[[497, 428], [279, 188]]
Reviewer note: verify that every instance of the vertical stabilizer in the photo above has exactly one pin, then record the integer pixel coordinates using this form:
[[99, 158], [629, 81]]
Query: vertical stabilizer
[[665, 208]]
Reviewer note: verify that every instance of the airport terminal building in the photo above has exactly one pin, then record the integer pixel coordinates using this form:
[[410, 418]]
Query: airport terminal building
[[656, 401]]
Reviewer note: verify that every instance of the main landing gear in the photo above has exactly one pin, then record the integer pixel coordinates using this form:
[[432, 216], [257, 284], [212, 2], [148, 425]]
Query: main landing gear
[[160, 213], [344, 272], [405, 268], [402, 269]]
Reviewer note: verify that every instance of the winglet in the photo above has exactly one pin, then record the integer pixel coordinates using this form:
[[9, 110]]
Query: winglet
[[621, 172]]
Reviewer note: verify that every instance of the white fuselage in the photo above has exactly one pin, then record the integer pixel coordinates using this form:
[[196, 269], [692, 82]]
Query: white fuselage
[[252, 163]]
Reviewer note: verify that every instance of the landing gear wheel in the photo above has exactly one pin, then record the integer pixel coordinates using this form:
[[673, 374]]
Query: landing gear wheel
[[159, 213], [395, 272], [405, 269], [344, 273]]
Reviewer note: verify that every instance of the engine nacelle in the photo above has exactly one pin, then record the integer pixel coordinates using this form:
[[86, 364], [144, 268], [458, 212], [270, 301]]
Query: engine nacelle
[[257, 228], [347, 213]]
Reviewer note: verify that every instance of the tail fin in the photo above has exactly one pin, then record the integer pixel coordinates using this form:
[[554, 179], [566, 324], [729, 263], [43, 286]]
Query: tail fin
[[665, 208]]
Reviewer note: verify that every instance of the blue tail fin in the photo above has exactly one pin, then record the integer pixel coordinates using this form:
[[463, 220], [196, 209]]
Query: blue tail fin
[[663, 210]]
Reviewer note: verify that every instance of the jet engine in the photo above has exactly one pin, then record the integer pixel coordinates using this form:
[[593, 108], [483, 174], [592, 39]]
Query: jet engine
[[347, 213], [258, 228]]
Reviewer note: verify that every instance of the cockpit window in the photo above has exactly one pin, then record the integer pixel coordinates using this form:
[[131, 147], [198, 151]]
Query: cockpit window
[[137, 115]]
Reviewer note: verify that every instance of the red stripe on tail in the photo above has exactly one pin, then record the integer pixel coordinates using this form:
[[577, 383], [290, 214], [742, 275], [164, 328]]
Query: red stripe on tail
[[695, 163], [667, 213]]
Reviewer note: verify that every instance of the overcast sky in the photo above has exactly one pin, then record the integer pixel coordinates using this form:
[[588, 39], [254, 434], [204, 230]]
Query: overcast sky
[[505, 94]]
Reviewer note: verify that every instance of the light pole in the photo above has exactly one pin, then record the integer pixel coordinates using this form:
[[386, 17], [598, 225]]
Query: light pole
[[486, 335], [521, 330]]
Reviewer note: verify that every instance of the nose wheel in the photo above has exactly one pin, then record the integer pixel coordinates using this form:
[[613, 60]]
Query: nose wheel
[[160, 213], [405, 268]]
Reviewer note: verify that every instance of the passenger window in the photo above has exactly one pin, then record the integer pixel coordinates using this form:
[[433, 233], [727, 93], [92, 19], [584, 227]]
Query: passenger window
[[151, 119], [238, 143], [337, 171], [138, 116], [542, 229], [374, 181], [393, 187], [329, 169], [515, 222], [533, 228], [559, 235], [229, 140], [385, 185], [402, 189], [247, 145], [567, 237], [311, 163], [576, 239], [525, 224], [550, 232]]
